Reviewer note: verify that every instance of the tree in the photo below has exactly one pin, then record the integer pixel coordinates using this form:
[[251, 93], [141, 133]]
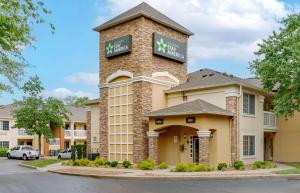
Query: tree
[[76, 101], [278, 65], [37, 114], [17, 18]]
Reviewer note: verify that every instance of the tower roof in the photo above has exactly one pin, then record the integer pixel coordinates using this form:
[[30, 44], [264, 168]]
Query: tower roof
[[147, 11]]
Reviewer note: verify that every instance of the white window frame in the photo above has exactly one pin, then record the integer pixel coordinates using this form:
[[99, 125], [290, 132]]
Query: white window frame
[[249, 104], [248, 146], [2, 125], [2, 144]]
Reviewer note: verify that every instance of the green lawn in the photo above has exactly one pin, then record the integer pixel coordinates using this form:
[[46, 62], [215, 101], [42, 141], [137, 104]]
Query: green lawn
[[291, 171], [41, 163]]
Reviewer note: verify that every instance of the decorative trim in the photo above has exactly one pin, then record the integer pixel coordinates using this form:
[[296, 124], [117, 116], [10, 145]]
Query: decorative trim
[[232, 92], [167, 74], [118, 74], [136, 79], [152, 134], [203, 133]]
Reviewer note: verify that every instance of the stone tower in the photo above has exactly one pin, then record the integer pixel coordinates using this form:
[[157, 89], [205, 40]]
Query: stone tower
[[142, 53]]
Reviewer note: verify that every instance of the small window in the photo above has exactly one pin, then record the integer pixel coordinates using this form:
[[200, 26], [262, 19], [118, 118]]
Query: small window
[[4, 144], [248, 145], [94, 139], [4, 125], [249, 104]]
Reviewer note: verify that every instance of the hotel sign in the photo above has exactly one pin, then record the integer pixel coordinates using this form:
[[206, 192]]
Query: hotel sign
[[169, 48], [121, 45]]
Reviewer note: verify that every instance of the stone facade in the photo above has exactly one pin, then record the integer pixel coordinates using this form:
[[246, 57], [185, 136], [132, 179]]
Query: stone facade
[[232, 106], [88, 131], [103, 120], [204, 150], [153, 147], [140, 62], [142, 104]]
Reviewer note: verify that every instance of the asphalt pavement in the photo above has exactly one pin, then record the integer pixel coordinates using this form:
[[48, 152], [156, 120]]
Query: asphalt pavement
[[17, 179]]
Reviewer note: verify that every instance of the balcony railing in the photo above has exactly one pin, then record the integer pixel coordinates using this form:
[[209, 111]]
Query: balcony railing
[[269, 120], [75, 134], [54, 142], [22, 133]]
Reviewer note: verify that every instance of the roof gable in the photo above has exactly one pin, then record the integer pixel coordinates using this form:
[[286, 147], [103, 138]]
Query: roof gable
[[147, 11]]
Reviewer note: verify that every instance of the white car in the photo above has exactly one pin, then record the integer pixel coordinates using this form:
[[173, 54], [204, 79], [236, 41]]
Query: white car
[[23, 151], [65, 154]]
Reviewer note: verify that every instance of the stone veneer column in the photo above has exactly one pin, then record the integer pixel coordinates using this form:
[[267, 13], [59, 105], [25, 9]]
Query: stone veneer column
[[103, 123], [153, 145], [142, 104], [88, 131], [232, 106], [204, 146]]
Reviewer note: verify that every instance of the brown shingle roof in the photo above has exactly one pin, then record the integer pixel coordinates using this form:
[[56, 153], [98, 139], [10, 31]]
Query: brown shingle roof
[[147, 11], [92, 101], [190, 108], [210, 78]]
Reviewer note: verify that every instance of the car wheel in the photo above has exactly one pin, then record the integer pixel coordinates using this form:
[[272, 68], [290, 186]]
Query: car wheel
[[59, 157], [37, 157], [8, 156], [24, 157]]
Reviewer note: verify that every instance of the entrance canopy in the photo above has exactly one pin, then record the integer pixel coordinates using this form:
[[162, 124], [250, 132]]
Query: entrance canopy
[[191, 108]]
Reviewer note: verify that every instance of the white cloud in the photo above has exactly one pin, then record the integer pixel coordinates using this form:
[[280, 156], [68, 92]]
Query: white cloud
[[83, 77], [62, 93], [224, 29]]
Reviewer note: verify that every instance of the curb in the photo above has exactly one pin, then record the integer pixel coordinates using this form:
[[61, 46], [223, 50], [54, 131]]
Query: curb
[[28, 166], [288, 177]]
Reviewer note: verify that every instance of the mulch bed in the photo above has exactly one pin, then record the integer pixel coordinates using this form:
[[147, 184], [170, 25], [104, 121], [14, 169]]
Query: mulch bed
[[90, 172]]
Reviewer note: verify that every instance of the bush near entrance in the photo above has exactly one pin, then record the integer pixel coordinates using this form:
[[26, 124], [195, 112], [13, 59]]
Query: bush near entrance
[[239, 165], [3, 151], [222, 166], [191, 167], [146, 165]]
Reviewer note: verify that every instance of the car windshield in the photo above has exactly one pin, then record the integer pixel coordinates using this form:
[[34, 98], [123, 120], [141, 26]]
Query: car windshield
[[27, 148]]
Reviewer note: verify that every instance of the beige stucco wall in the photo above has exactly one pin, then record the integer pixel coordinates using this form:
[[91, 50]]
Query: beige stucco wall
[[168, 150], [286, 141], [252, 125], [95, 128]]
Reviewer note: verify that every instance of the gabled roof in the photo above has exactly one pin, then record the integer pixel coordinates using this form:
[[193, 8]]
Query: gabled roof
[[205, 78], [191, 108], [147, 11], [78, 114]]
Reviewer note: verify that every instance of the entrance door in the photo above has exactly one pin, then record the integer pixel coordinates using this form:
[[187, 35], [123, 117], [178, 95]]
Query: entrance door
[[268, 142], [195, 149]]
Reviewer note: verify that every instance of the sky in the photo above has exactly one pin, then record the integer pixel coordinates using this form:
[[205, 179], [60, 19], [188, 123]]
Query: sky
[[226, 35]]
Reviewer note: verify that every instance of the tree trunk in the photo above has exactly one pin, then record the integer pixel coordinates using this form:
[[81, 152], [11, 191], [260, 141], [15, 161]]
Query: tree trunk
[[40, 144]]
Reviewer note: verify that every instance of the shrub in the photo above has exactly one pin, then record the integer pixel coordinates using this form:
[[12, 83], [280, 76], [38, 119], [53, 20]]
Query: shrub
[[79, 151], [242, 168], [146, 165], [222, 166], [254, 167], [264, 164], [238, 164], [84, 154], [126, 164], [180, 167], [99, 161], [114, 164], [201, 168], [163, 165], [258, 164], [81, 162], [107, 163], [3, 151], [73, 152]]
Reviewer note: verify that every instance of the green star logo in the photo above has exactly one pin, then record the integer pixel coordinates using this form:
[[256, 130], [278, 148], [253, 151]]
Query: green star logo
[[109, 48], [161, 45]]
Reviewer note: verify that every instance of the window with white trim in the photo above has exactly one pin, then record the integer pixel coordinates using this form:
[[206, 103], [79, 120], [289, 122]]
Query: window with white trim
[[4, 125], [248, 145], [4, 144], [248, 104]]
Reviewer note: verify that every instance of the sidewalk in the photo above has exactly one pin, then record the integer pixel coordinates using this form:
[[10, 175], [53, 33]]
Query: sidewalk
[[162, 174]]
